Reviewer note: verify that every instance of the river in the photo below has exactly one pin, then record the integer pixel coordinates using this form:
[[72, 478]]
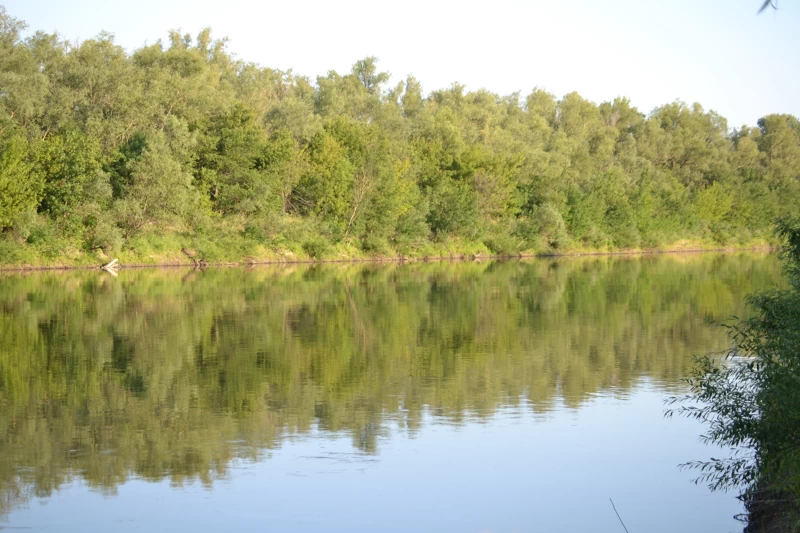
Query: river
[[495, 396]]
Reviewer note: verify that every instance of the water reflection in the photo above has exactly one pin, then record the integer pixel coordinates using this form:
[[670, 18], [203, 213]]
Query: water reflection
[[174, 374]]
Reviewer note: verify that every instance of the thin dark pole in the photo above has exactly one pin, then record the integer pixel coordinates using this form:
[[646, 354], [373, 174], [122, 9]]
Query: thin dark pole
[[618, 516]]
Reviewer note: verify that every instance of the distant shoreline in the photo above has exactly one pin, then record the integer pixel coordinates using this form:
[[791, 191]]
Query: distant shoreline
[[389, 259]]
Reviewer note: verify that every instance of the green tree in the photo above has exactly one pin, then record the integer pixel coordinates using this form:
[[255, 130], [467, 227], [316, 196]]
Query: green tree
[[20, 187], [160, 192], [72, 167], [228, 156]]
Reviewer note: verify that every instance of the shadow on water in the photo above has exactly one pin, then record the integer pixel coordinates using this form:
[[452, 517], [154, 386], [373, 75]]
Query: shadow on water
[[157, 374]]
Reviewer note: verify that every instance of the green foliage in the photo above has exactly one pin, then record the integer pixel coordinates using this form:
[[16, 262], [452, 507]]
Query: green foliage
[[751, 404], [282, 163], [160, 191], [548, 225], [71, 164], [100, 232], [20, 188], [182, 137], [454, 210], [323, 190], [226, 164], [316, 248], [714, 203], [502, 244]]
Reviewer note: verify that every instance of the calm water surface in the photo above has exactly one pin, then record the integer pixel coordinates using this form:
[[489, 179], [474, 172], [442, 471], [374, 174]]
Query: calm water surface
[[470, 397]]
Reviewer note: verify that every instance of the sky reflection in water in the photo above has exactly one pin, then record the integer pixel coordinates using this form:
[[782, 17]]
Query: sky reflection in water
[[515, 396]]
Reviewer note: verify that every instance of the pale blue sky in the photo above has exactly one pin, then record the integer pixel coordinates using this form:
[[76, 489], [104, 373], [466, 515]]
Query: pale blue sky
[[716, 52]]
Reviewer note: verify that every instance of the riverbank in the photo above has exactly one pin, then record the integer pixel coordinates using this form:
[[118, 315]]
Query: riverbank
[[770, 511], [450, 251]]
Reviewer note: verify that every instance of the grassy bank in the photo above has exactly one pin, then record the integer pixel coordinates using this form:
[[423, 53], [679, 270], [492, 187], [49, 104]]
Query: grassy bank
[[173, 249]]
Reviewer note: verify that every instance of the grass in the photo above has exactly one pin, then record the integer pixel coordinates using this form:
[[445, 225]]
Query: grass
[[230, 246]]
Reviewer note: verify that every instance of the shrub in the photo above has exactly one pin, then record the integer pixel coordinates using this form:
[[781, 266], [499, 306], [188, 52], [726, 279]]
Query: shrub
[[316, 248], [501, 245], [752, 404]]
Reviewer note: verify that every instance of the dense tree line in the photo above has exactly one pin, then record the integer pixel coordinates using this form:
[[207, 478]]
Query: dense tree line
[[157, 375], [179, 144]]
